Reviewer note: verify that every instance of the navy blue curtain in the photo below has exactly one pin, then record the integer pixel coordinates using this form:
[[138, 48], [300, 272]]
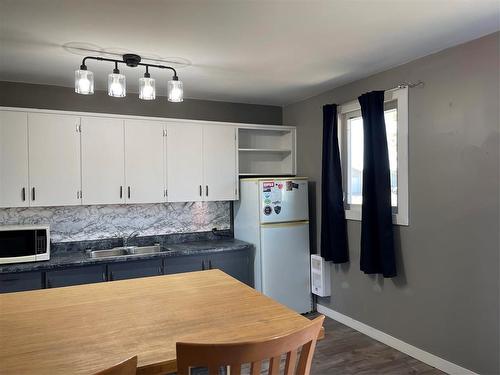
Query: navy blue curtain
[[377, 239], [333, 224]]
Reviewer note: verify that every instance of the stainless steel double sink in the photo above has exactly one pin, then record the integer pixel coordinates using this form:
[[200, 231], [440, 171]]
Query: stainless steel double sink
[[125, 251]]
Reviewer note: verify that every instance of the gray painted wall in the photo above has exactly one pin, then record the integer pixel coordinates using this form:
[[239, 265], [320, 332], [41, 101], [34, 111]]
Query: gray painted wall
[[14, 94], [446, 299]]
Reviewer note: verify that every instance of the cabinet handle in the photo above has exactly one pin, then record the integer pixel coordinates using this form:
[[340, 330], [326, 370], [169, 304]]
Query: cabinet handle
[[200, 191], [128, 192], [78, 194], [160, 271], [103, 276], [203, 265], [206, 190], [32, 193], [23, 194], [121, 192], [210, 264]]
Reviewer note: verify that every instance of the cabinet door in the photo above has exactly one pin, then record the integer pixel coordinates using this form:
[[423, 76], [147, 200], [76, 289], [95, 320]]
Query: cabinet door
[[54, 159], [184, 162], [238, 264], [219, 162], [18, 282], [75, 276], [134, 269], [182, 264], [13, 159], [103, 161], [144, 161]]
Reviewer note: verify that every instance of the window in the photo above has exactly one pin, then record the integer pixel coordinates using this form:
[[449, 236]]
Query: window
[[351, 144]]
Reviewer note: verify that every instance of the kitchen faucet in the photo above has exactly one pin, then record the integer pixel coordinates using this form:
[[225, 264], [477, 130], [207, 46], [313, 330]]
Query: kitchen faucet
[[131, 236]]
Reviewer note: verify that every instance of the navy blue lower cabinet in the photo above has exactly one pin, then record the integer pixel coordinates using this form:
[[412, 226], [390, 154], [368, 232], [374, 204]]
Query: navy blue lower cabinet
[[188, 263], [238, 264], [20, 281], [75, 276], [134, 269]]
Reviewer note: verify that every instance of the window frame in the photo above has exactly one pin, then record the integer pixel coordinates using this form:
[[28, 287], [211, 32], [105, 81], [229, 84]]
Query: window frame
[[400, 216]]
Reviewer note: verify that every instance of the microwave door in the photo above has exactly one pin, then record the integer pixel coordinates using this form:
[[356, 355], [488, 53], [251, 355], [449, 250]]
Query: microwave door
[[17, 246]]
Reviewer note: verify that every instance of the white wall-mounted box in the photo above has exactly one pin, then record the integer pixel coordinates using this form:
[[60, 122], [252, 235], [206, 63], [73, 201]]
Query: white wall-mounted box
[[320, 276]]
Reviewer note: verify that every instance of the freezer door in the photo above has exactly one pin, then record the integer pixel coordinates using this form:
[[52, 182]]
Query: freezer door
[[285, 264], [283, 200]]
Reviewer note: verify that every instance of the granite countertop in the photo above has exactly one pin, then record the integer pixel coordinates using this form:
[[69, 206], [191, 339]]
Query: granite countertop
[[63, 259]]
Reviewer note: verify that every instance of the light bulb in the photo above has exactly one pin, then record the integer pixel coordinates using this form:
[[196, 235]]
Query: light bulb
[[84, 82], [147, 88], [175, 90], [116, 85]]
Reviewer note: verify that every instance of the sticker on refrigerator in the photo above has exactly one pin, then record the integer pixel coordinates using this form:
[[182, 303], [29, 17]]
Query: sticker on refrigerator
[[268, 210], [267, 201], [277, 209], [290, 185], [266, 186]]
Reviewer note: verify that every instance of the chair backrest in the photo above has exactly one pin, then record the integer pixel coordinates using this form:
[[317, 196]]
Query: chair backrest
[[233, 355], [127, 367]]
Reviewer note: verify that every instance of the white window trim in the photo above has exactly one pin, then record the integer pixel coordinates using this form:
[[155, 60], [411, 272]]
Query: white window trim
[[401, 95]]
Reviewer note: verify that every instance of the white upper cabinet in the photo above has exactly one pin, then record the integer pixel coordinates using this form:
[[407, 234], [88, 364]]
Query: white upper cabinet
[[219, 162], [184, 162], [13, 159], [103, 160], [144, 161], [54, 159]]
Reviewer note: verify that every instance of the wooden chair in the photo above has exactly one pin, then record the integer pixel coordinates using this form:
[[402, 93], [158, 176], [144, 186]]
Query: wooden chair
[[127, 367], [233, 355]]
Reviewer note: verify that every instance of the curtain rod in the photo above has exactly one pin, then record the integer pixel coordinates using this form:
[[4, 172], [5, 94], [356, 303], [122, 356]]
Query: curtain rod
[[407, 84]]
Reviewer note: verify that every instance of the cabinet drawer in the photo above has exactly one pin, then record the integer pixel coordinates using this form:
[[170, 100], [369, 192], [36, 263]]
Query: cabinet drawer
[[134, 269], [18, 282], [76, 276]]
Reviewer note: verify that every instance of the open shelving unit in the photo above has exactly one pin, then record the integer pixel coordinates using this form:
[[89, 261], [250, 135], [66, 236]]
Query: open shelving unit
[[266, 151]]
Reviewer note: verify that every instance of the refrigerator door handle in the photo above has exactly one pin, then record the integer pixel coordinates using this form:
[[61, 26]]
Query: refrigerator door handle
[[285, 224]]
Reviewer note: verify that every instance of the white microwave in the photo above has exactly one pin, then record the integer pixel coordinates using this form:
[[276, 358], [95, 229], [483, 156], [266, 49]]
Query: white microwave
[[24, 243]]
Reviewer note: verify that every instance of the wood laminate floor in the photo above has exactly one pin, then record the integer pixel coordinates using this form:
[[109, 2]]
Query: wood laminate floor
[[345, 351]]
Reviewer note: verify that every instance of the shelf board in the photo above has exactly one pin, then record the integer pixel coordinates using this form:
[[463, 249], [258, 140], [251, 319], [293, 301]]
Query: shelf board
[[277, 150], [264, 174], [276, 129]]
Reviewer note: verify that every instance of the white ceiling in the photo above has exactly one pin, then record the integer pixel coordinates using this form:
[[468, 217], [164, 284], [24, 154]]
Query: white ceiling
[[268, 52]]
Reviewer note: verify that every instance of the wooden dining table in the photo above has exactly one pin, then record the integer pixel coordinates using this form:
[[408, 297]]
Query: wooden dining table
[[86, 328]]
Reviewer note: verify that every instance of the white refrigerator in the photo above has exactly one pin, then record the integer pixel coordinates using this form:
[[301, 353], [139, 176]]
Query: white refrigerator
[[273, 215]]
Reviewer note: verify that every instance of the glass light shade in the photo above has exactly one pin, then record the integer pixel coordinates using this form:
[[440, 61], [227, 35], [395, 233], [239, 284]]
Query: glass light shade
[[175, 91], [116, 85], [84, 82], [147, 88]]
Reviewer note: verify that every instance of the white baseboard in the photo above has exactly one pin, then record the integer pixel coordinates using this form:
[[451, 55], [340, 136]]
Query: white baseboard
[[412, 351]]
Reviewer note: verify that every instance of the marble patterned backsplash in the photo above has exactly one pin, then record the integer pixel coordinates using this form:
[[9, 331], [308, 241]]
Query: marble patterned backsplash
[[80, 223]]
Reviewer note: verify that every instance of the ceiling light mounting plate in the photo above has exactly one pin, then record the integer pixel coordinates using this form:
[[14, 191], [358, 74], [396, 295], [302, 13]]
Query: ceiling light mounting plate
[[131, 59]]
